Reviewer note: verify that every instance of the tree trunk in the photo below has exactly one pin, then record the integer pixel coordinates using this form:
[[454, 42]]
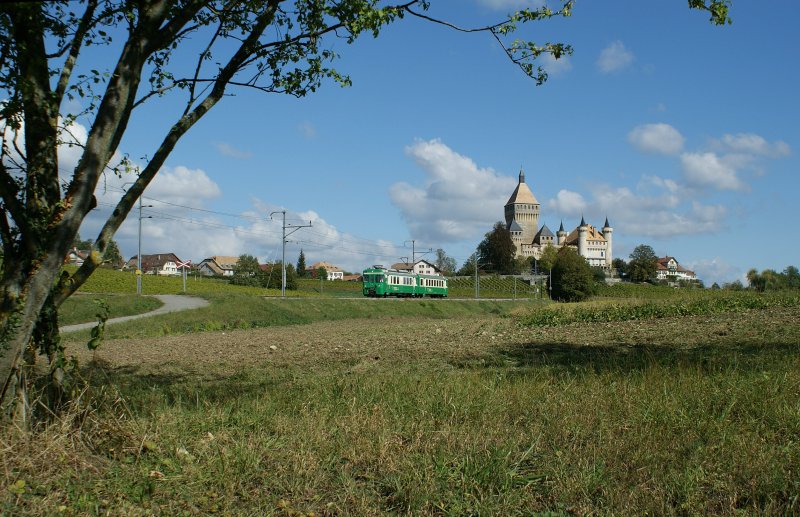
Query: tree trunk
[[19, 350]]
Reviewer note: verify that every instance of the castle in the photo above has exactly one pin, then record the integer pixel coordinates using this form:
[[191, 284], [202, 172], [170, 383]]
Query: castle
[[522, 221]]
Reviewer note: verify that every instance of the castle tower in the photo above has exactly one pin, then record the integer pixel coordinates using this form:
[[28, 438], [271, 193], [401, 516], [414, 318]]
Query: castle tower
[[607, 233], [561, 234], [522, 214], [583, 245]]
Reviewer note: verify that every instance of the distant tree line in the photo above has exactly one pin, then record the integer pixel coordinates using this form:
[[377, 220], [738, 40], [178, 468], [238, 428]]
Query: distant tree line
[[771, 280], [269, 276]]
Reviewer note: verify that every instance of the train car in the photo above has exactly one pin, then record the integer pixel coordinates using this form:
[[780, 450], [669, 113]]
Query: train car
[[432, 285], [381, 282]]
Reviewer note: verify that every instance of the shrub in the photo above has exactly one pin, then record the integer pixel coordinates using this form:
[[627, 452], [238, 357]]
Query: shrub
[[572, 277]]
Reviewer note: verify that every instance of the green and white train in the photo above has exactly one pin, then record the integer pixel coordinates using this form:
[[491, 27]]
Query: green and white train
[[382, 282]]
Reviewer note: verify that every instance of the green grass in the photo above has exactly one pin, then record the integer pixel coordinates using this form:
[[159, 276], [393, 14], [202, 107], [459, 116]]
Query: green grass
[[109, 281], [466, 412], [686, 304], [82, 308], [237, 311]]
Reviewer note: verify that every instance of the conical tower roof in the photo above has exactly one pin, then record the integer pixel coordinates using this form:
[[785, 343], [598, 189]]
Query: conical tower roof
[[522, 194]]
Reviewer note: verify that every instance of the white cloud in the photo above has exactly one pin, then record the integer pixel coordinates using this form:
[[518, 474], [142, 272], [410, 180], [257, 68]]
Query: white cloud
[[614, 57], [181, 185], [556, 67], [228, 150], [750, 143], [458, 200], [714, 270], [657, 208], [656, 138], [709, 170], [567, 203]]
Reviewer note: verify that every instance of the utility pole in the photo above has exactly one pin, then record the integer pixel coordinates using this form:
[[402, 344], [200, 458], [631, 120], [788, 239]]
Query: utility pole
[[413, 251], [139, 272], [294, 227], [477, 289], [139, 250]]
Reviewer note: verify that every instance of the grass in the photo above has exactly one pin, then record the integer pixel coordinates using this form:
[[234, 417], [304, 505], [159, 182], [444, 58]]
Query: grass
[[82, 308], [379, 410], [237, 312]]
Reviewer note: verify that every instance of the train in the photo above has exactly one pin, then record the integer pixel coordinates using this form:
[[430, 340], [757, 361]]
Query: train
[[382, 282]]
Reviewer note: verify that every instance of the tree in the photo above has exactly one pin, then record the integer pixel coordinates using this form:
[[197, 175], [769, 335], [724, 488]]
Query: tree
[[643, 264], [247, 271], [447, 265], [736, 285], [264, 46], [791, 277], [621, 266], [521, 265], [547, 258], [322, 273], [468, 268], [112, 256], [598, 275], [271, 276], [291, 278], [301, 265], [572, 278], [81, 244], [496, 251]]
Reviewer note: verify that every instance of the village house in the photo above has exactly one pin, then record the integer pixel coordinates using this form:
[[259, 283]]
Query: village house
[[218, 265], [158, 264], [667, 268], [334, 272], [420, 267]]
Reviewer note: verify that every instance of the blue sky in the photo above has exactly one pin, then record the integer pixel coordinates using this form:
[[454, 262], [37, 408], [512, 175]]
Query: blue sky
[[685, 135]]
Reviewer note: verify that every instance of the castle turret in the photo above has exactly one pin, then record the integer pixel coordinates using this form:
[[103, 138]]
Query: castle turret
[[607, 233], [561, 234], [583, 245]]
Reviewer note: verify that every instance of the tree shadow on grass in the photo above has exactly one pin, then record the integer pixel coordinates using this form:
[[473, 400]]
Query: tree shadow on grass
[[626, 357], [179, 385]]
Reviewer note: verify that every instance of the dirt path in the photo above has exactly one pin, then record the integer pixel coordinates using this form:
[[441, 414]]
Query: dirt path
[[172, 303]]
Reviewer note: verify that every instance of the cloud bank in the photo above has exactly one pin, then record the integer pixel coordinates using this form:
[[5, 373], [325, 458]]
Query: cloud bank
[[457, 201]]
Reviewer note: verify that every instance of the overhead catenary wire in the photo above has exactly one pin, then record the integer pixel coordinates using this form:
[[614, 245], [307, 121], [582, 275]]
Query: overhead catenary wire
[[345, 243]]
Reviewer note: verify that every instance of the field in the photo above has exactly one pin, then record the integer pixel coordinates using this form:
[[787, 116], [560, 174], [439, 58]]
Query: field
[[105, 281], [334, 407]]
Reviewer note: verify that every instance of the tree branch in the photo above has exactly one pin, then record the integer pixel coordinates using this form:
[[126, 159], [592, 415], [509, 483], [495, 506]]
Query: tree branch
[[168, 144], [74, 49]]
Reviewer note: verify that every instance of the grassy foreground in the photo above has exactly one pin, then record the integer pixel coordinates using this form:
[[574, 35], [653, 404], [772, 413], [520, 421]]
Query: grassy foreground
[[471, 414]]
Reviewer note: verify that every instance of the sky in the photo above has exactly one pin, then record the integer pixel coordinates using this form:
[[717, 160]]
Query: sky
[[683, 134]]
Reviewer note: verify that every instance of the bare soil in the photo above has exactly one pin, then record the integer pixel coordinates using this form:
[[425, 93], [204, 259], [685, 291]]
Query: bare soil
[[365, 343]]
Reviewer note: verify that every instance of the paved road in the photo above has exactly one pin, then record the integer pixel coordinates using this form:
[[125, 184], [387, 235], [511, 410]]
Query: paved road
[[172, 303]]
